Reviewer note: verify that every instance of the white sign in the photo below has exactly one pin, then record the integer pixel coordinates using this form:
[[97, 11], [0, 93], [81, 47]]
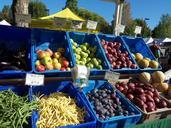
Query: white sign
[[23, 18], [59, 22], [91, 25], [34, 80], [138, 30], [120, 28], [77, 25], [112, 76]]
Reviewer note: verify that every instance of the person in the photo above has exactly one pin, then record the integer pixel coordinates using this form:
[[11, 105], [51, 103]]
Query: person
[[155, 50]]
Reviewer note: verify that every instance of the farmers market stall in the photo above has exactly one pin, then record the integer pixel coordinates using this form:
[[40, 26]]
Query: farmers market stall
[[80, 80]]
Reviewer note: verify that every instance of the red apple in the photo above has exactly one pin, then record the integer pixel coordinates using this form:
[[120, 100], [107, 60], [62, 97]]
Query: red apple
[[41, 54], [65, 63], [63, 69], [130, 96], [133, 66], [40, 68]]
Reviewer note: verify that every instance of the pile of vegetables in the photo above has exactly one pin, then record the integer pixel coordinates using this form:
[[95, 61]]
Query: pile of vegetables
[[14, 110], [13, 60], [58, 109]]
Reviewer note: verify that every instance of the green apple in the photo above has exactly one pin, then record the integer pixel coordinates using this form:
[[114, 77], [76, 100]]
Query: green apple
[[68, 69], [74, 44], [78, 57], [55, 60], [46, 60], [57, 55], [38, 63], [77, 51], [84, 60], [84, 55], [99, 61], [82, 63], [87, 45], [91, 66], [99, 67], [88, 59], [57, 66], [71, 40]]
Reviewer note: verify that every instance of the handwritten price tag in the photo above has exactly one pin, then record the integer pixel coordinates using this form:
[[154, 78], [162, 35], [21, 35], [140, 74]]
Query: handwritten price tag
[[112, 76], [34, 80]]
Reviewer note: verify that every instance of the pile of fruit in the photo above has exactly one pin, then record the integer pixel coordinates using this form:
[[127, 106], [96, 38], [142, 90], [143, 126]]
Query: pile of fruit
[[144, 96], [86, 55], [13, 60], [118, 59], [107, 104], [49, 60], [145, 62], [157, 80]]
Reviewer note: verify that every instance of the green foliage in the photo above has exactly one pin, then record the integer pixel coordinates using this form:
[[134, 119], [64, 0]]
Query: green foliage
[[6, 13], [130, 28], [72, 4], [163, 29], [103, 26], [37, 9]]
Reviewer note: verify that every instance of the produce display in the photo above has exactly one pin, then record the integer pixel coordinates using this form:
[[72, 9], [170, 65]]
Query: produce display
[[13, 60], [86, 55], [144, 96], [15, 110], [106, 104], [117, 58], [58, 109], [145, 62], [49, 60]]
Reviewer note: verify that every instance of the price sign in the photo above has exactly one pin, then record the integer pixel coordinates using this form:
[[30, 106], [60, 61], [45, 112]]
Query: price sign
[[77, 25], [91, 25], [138, 30], [120, 28], [34, 80], [23, 18], [112, 76]]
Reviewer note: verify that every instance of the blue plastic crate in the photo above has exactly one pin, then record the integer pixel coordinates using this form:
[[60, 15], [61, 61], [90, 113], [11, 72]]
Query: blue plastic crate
[[137, 45], [68, 88], [116, 121], [13, 39], [44, 39], [93, 41], [112, 38]]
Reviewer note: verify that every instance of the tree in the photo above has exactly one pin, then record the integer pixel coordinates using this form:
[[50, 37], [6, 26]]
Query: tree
[[37, 9], [163, 29], [19, 7], [126, 14], [72, 4], [6, 14]]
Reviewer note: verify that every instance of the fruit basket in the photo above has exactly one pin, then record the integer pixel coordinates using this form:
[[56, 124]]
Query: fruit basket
[[147, 99], [86, 51], [117, 54], [68, 89], [15, 51], [111, 109], [51, 52], [147, 61]]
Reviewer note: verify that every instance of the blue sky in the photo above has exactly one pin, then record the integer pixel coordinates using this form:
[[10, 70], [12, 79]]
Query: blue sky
[[152, 9]]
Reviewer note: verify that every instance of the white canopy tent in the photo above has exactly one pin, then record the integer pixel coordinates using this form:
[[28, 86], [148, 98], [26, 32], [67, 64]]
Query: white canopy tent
[[166, 40], [4, 22], [149, 40]]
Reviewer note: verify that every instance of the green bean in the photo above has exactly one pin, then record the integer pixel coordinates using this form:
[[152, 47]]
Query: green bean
[[15, 110]]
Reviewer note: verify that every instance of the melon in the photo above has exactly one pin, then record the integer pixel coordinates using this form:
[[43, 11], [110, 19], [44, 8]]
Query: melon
[[145, 77], [138, 56], [154, 64], [161, 87], [158, 77], [144, 63], [147, 59]]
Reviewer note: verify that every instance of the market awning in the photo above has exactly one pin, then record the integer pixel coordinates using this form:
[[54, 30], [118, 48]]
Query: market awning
[[64, 14]]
